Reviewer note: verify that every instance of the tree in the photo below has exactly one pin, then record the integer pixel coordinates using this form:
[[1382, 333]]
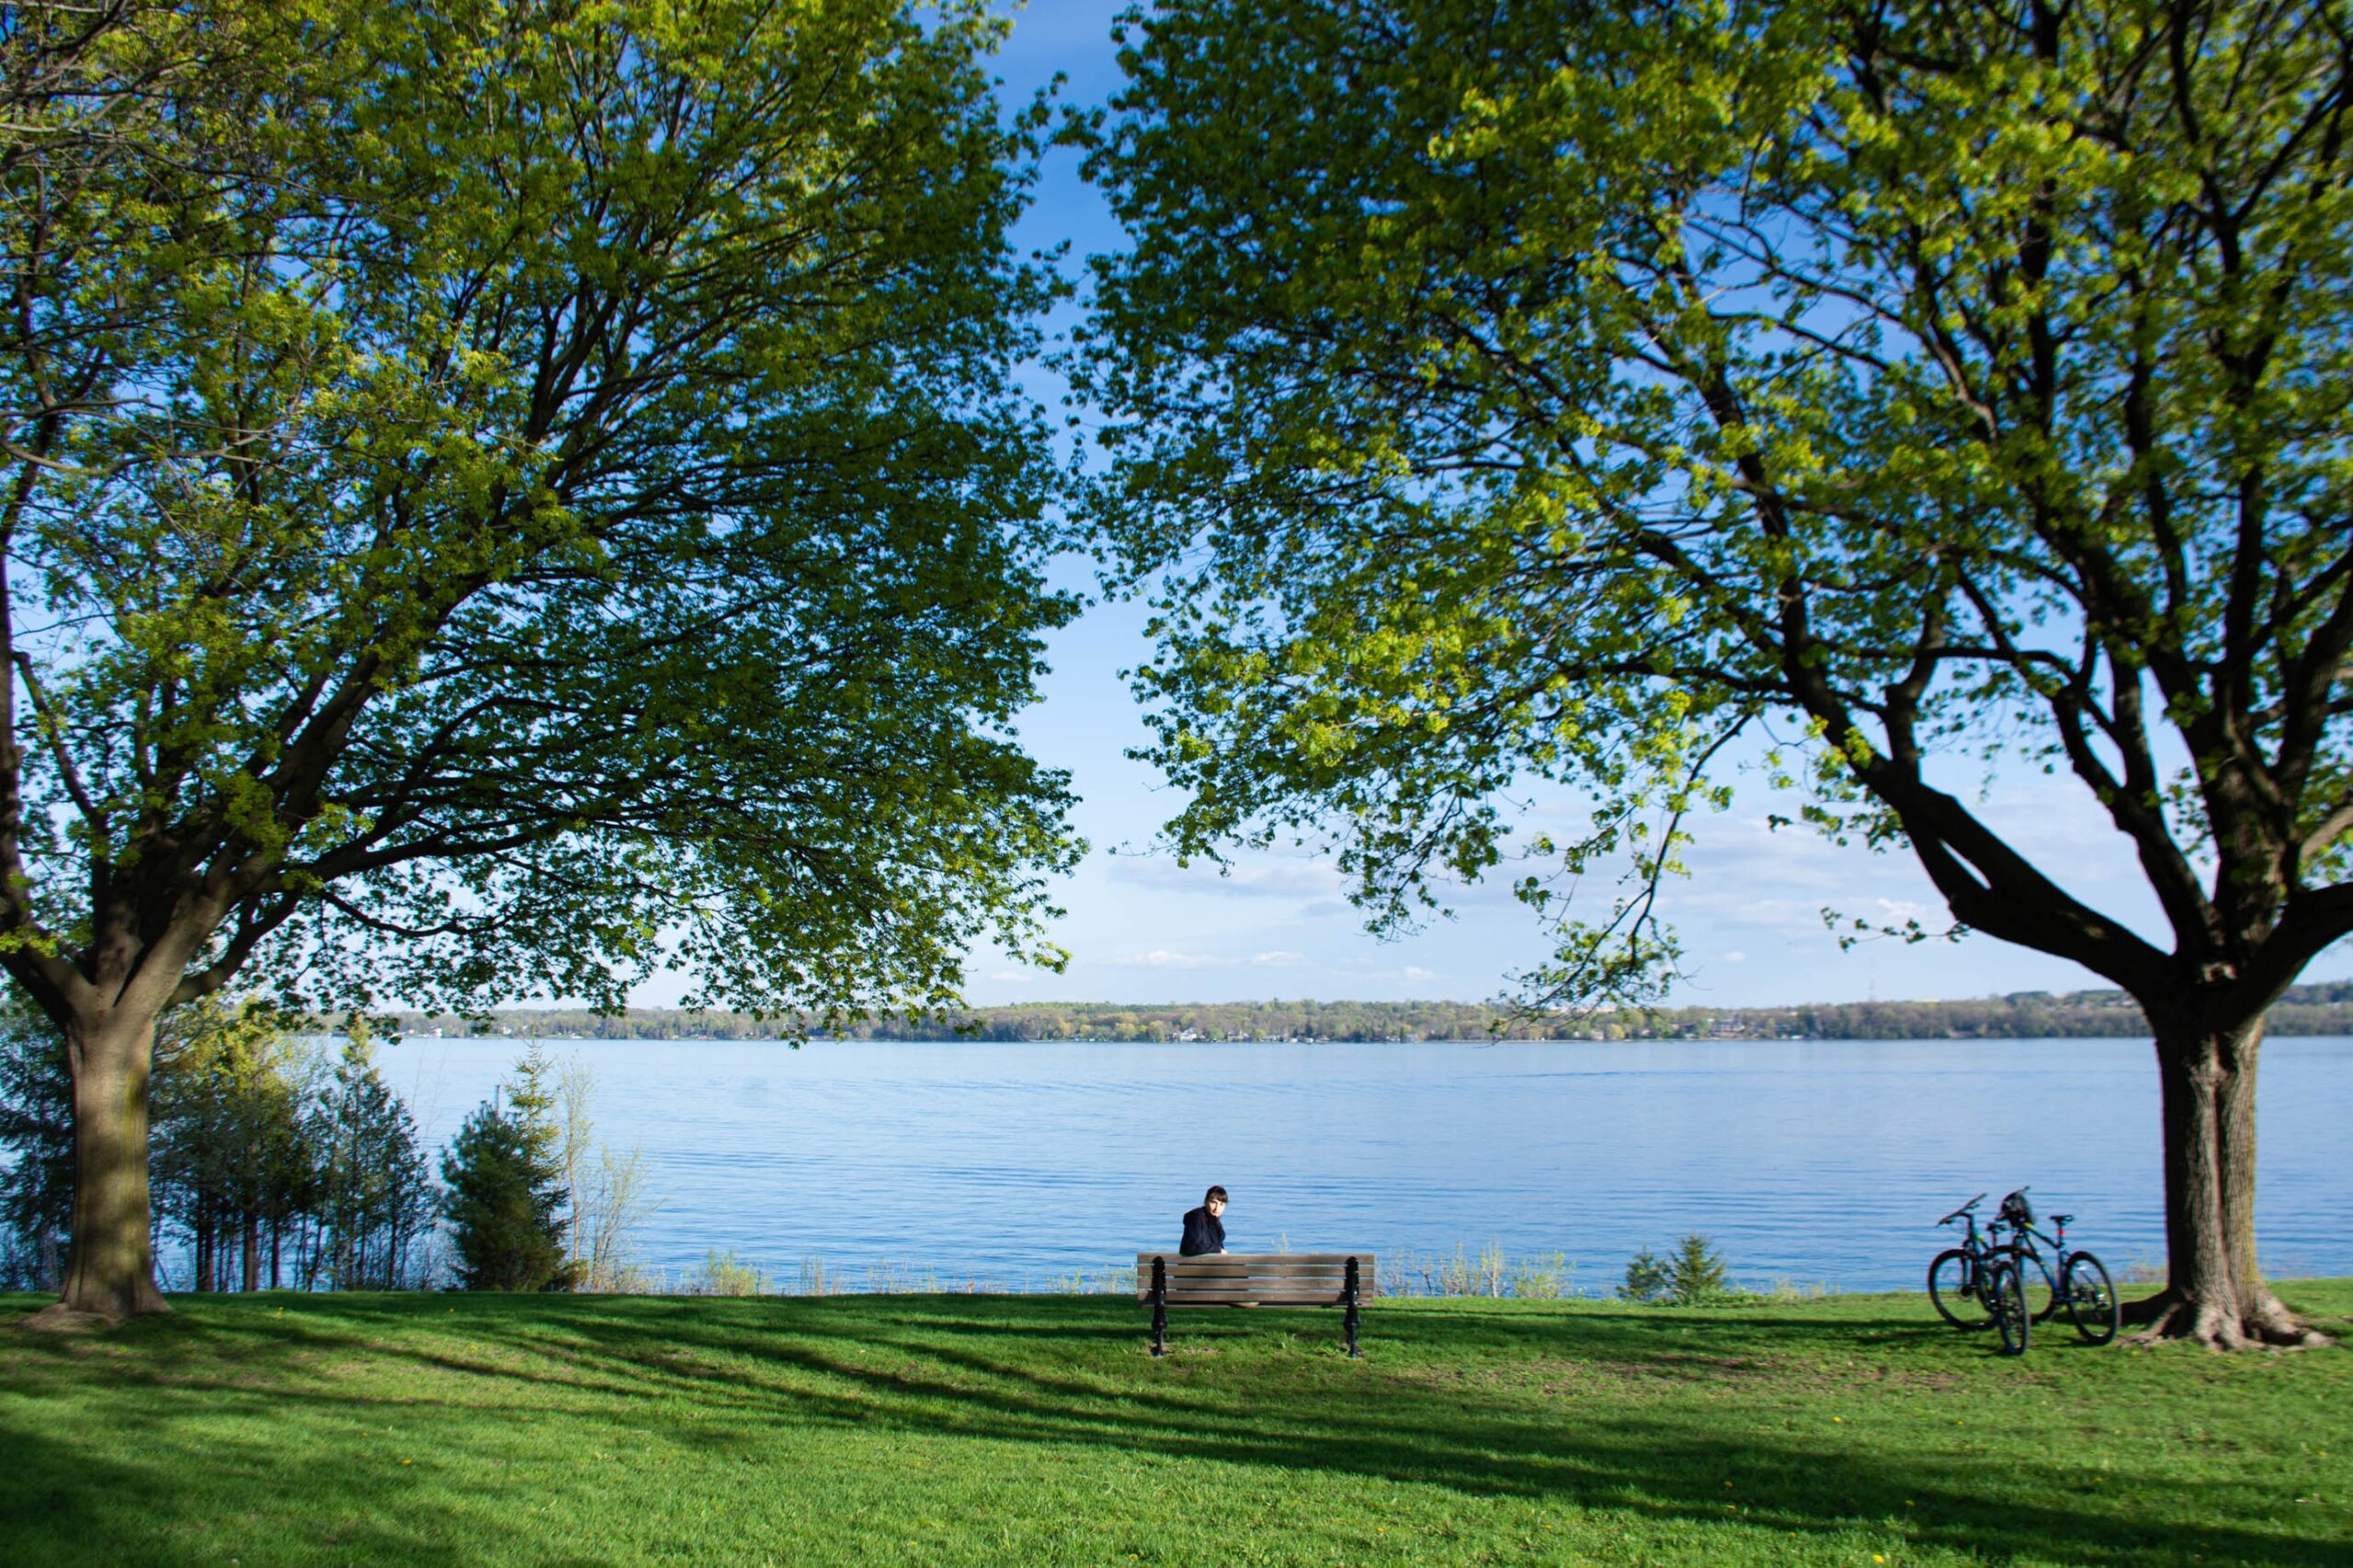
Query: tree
[[37, 1139], [231, 1154], [374, 1196], [505, 1190], [501, 499], [1561, 390], [256, 1146]]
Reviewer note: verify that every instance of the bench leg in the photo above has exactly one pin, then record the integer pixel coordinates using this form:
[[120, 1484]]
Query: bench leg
[[1350, 1320], [1159, 1307]]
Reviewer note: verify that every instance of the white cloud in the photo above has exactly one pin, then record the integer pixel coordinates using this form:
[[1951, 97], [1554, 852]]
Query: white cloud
[[1164, 957], [1362, 969], [1160, 958], [1267, 877], [1735, 955]]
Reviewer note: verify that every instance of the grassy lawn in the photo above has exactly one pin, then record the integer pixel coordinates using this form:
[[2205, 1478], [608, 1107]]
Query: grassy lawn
[[325, 1429]]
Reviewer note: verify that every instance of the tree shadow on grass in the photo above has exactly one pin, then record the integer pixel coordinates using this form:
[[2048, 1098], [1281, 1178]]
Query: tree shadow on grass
[[1362, 1422], [1440, 1425], [1263, 1389], [1485, 1405], [63, 1503]]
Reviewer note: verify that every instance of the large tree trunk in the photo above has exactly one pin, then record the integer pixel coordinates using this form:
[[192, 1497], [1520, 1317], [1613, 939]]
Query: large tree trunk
[[111, 1270], [2215, 1292]]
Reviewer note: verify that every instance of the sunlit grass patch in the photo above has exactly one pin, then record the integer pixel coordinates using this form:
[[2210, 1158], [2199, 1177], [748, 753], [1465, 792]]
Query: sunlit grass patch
[[977, 1429]]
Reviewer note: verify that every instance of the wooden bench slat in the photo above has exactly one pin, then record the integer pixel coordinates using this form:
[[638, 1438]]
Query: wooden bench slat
[[1265, 1264], [1209, 1298], [1257, 1281], [1269, 1265], [1307, 1270], [1227, 1297], [1228, 1271], [1246, 1266], [1177, 1259], [1227, 1287], [1256, 1301], [1196, 1265]]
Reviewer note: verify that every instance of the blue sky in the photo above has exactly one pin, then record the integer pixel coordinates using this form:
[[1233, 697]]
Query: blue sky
[[1140, 928]]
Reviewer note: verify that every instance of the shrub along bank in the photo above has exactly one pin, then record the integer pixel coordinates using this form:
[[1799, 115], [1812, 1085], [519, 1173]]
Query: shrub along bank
[[299, 1429]]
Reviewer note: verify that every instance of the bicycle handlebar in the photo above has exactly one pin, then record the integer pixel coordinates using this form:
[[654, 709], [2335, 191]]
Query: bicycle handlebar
[[1962, 1209]]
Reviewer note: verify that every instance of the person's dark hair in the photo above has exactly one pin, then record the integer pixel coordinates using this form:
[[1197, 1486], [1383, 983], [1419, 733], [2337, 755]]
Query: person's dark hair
[[1215, 1195]]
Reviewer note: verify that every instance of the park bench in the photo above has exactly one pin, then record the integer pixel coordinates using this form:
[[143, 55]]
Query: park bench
[[1166, 1279]]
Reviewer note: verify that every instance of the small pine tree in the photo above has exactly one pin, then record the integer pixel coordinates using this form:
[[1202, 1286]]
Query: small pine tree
[[506, 1197], [1697, 1271], [375, 1194], [530, 1095], [1693, 1275], [1648, 1277]]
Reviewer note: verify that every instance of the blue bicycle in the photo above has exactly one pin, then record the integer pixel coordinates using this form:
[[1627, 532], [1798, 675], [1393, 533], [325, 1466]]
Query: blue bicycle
[[2075, 1281], [1979, 1282]]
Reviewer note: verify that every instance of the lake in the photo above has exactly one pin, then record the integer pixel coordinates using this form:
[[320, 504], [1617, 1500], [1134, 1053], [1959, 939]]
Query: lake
[[1017, 1165]]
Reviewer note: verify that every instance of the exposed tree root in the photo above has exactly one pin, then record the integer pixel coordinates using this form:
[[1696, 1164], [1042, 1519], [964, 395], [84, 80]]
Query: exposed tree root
[[129, 1295], [58, 1318], [2265, 1325]]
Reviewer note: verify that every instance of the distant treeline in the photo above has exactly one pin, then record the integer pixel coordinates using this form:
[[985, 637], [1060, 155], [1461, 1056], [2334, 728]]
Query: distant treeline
[[2322, 1009]]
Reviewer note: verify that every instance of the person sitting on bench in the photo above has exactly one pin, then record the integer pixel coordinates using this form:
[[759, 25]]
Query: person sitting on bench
[[1204, 1231]]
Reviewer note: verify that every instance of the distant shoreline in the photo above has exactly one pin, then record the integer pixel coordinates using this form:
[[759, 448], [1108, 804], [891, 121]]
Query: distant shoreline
[[2319, 1009]]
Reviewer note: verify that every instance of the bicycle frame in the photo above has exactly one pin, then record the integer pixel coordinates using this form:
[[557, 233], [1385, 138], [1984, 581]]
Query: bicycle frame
[[1977, 1247], [2055, 1265]]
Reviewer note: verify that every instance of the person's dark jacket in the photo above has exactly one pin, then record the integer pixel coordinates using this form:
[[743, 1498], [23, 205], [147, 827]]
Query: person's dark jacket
[[1204, 1232]]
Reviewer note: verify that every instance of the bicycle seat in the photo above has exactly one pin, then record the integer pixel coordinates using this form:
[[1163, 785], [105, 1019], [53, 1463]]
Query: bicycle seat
[[2060, 1219]]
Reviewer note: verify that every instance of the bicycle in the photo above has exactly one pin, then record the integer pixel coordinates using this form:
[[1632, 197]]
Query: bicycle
[[2082, 1284], [2006, 1300], [1979, 1282], [1956, 1276]]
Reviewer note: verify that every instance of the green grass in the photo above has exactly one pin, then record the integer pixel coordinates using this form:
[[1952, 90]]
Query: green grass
[[950, 1429]]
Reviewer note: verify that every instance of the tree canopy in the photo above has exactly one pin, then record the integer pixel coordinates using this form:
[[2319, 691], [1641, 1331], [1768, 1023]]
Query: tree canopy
[[501, 498], [566, 488], [1558, 391]]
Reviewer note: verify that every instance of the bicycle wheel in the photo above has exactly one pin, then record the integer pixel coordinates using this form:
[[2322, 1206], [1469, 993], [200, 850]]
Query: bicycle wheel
[[2091, 1299], [2043, 1297], [2008, 1300], [1953, 1289]]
